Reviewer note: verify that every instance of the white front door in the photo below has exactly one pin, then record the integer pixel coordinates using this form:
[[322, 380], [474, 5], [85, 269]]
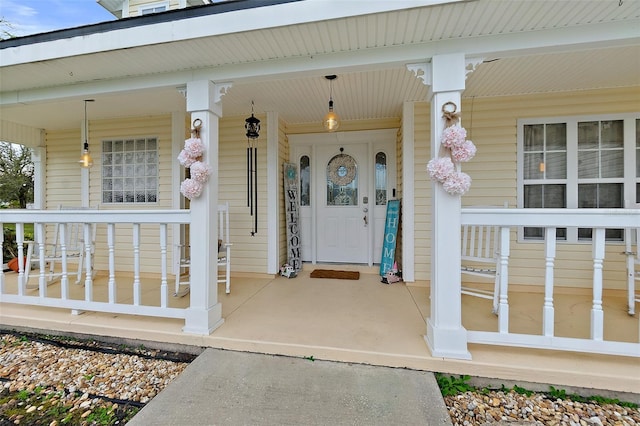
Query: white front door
[[342, 200], [343, 193]]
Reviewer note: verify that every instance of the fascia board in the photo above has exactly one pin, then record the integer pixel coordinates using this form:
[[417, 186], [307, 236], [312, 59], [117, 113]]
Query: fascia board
[[244, 20]]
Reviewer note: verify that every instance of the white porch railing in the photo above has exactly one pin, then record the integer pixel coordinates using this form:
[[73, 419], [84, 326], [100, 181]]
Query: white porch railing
[[109, 218], [551, 219]]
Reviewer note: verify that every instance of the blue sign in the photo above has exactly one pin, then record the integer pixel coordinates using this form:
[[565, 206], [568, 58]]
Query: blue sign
[[390, 236]]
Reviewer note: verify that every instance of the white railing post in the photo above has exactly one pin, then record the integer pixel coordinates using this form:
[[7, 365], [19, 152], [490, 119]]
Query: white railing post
[[40, 236], [597, 314], [503, 303], [205, 312], [445, 337], [88, 258], [163, 265], [136, 264], [20, 243], [548, 315]]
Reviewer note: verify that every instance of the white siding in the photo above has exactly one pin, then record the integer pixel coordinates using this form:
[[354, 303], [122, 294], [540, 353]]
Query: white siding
[[63, 182], [491, 124], [249, 253]]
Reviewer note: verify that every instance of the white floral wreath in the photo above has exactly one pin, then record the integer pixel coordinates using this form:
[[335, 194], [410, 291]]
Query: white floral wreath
[[455, 149], [191, 158], [337, 162]]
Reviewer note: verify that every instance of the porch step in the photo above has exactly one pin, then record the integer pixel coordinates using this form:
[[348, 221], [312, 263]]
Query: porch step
[[241, 388]]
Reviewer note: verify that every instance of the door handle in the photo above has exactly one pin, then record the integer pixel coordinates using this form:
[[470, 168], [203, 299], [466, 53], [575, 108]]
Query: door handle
[[366, 220]]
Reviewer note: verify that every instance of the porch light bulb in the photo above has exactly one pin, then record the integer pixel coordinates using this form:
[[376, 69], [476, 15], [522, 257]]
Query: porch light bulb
[[541, 167], [331, 120], [85, 160]]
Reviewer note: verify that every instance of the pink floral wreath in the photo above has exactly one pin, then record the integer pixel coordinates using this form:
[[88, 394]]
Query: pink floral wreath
[[191, 158], [454, 149]]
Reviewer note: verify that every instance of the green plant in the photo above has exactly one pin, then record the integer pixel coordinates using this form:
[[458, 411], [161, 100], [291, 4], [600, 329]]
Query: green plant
[[101, 416], [23, 395], [522, 391], [310, 358], [58, 411], [562, 394], [9, 244], [450, 385]]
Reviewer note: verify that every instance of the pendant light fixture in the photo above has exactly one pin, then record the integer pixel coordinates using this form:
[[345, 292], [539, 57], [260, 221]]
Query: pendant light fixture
[[331, 121], [85, 159]]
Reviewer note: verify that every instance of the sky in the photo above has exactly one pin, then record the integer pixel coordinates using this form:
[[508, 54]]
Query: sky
[[37, 16]]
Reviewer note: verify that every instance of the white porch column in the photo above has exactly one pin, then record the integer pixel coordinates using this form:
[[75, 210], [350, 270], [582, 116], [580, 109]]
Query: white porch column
[[446, 337], [205, 313], [273, 195], [39, 158]]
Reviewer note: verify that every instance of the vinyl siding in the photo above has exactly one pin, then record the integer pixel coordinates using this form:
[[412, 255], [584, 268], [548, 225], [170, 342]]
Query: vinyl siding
[[283, 157], [63, 183], [399, 253], [491, 124], [422, 234], [134, 5], [249, 252]]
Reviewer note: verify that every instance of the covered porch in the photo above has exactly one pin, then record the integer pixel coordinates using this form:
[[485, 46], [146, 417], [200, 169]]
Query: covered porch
[[571, 331], [365, 321]]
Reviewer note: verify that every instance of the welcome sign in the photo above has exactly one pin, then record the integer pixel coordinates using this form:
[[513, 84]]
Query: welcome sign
[[292, 215], [390, 235]]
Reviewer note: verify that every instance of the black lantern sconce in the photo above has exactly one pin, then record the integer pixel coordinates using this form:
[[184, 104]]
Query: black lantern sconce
[[252, 126]]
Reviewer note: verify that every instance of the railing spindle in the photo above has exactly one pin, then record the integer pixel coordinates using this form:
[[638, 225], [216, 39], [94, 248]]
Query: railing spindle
[[163, 260], [548, 313], [597, 314], [503, 277], [136, 264], [111, 238], [88, 272]]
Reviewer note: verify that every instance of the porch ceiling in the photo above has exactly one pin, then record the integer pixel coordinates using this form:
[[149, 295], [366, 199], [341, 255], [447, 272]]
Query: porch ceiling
[[528, 47]]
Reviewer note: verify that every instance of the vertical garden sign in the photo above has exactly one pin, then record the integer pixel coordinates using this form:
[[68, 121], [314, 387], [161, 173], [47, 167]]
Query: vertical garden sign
[[390, 235], [292, 215]]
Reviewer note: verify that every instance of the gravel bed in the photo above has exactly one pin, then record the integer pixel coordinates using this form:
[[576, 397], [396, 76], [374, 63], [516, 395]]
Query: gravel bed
[[510, 407], [81, 377], [86, 377]]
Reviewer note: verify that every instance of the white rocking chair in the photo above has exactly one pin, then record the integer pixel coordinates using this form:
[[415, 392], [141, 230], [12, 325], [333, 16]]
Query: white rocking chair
[[183, 263], [480, 258], [480, 249], [631, 239], [68, 246]]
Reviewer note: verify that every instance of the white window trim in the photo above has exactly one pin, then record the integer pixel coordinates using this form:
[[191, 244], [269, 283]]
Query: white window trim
[[103, 177], [629, 178], [149, 6]]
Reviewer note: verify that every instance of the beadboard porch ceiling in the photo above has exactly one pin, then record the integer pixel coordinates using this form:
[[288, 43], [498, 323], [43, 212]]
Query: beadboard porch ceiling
[[524, 47]]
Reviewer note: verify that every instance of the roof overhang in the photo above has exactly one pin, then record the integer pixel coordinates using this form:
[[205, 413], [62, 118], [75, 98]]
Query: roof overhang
[[277, 55]]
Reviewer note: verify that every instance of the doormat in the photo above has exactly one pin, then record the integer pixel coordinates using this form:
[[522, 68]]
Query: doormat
[[341, 275]]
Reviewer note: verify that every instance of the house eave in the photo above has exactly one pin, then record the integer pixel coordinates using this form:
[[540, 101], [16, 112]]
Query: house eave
[[184, 24]]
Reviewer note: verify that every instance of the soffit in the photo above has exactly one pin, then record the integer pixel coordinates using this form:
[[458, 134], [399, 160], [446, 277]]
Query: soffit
[[296, 87]]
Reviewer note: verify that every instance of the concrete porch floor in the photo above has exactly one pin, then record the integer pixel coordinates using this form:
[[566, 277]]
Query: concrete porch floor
[[365, 321]]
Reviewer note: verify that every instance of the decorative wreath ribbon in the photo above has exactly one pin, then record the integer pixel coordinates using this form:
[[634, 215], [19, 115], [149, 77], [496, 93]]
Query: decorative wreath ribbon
[[449, 113]]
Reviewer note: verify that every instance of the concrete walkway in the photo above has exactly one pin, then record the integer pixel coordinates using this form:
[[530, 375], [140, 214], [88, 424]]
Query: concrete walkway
[[240, 388]]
